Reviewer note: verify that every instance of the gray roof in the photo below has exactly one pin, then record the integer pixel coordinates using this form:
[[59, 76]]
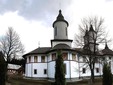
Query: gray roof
[[107, 51], [39, 50], [45, 50], [61, 46], [60, 17]]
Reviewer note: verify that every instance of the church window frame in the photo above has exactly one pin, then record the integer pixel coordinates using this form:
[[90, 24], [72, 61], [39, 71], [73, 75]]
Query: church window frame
[[84, 59], [83, 70], [65, 56], [55, 31], [35, 71], [45, 71], [42, 59], [35, 59], [97, 70], [66, 31], [73, 56], [53, 56], [109, 57], [29, 59]]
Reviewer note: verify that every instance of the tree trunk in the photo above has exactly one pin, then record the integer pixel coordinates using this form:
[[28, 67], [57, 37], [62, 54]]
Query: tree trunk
[[92, 75]]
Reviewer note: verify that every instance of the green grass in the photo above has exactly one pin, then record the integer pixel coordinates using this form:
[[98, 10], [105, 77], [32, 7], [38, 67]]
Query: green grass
[[16, 80]]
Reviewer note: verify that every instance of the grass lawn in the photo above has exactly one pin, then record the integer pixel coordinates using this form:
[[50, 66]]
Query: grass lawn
[[21, 81]]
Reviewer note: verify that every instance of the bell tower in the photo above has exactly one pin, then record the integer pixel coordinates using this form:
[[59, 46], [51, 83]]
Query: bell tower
[[60, 26], [90, 40]]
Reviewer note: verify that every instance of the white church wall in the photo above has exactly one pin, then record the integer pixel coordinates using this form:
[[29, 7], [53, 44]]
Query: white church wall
[[74, 69], [112, 65], [40, 70], [51, 69], [68, 67], [32, 58], [100, 67], [87, 72], [28, 70], [81, 67]]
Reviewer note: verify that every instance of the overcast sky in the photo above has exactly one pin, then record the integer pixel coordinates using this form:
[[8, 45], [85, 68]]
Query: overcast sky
[[33, 19]]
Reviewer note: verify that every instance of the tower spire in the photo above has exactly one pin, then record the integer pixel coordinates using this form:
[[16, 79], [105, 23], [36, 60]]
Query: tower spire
[[106, 46], [91, 28], [60, 17], [60, 27]]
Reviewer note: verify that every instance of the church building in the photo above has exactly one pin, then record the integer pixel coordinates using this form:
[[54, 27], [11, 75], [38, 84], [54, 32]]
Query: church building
[[40, 63]]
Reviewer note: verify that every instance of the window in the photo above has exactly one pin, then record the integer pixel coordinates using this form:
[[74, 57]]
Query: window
[[97, 70], [53, 56], [35, 59], [109, 63], [35, 71], [73, 57], [65, 56], [109, 58], [66, 31], [29, 59], [103, 58], [55, 31], [42, 58], [83, 70], [45, 71], [65, 68], [96, 60], [84, 59]]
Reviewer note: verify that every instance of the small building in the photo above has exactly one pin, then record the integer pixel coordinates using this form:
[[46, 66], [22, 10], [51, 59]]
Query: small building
[[13, 69]]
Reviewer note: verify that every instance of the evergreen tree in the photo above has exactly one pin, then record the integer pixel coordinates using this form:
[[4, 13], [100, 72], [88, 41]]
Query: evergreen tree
[[2, 69], [107, 75], [59, 70]]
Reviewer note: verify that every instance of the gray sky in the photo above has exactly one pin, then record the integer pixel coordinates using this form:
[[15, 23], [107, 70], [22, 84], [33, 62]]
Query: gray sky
[[32, 19]]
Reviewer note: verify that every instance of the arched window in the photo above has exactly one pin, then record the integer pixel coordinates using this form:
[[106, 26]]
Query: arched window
[[65, 56], [73, 57], [29, 59], [43, 59], [53, 56], [35, 59], [55, 31], [66, 31]]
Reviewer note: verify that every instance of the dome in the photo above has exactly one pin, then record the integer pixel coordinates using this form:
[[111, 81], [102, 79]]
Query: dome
[[61, 46], [60, 17]]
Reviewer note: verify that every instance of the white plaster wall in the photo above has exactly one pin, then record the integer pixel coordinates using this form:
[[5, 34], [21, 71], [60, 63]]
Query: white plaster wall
[[74, 69], [112, 65], [61, 30], [83, 65], [100, 66], [88, 73], [32, 58], [51, 69], [68, 67], [28, 70], [40, 69]]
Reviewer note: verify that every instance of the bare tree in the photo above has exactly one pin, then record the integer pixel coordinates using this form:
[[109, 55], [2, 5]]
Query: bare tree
[[11, 45], [91, 34], [98, 25]]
